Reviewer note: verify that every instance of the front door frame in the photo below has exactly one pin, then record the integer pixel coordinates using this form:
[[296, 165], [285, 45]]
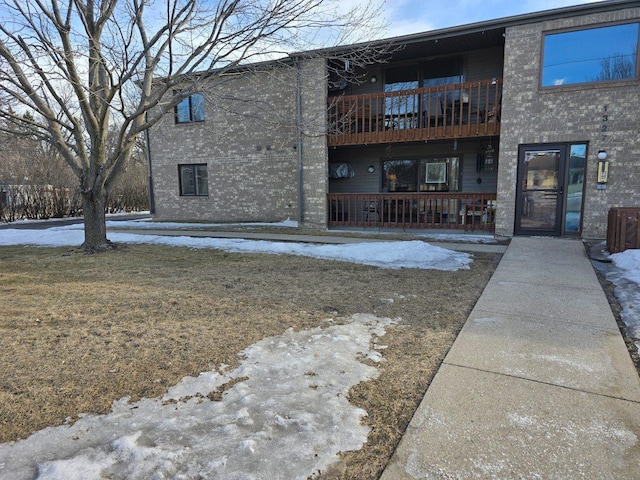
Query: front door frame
[[564, 149]]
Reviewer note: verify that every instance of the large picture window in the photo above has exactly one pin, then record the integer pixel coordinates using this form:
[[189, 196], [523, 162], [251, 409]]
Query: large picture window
[[591, 55], [191, 109], [193, 180], [425, 175]]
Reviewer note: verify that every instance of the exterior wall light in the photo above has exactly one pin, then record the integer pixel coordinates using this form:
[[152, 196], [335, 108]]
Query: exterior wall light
[[603, 167], [371, 169], [373, 79]]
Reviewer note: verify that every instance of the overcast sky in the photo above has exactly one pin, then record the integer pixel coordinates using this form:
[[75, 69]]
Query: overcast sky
[[413, 16]]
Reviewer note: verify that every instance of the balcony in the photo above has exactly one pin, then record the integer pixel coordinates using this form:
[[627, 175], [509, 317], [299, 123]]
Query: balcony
[[461, 110], [460, 211]]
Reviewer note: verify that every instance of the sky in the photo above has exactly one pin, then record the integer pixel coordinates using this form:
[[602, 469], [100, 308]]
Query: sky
[[287, 417], [413, 16]]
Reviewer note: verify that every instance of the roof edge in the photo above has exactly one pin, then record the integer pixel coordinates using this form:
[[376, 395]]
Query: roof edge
[[494, 24]]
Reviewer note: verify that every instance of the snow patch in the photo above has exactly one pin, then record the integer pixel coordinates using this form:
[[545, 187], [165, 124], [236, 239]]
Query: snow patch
[[394, 255], [276, 421]]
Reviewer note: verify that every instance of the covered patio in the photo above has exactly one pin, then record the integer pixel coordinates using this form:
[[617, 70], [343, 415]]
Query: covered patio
[[465, 211]]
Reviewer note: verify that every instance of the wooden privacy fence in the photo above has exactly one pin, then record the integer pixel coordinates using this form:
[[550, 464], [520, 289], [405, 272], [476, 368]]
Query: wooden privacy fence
[[623, 229]]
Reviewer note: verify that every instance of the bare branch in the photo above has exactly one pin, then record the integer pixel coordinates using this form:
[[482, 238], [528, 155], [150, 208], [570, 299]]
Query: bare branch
[[89, 69]]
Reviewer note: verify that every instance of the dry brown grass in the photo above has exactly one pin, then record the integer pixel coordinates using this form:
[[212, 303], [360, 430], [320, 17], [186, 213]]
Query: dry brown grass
[[79, 331]]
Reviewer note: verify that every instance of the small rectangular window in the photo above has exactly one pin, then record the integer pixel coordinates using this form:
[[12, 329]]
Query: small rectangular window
[[193, 180], [590, 55], [191, 109]]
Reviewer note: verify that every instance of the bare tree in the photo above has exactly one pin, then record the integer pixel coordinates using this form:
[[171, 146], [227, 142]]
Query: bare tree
[[82, 67], [617, 67]]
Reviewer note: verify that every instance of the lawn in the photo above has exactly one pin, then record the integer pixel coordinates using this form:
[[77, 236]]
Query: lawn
[[79, 331]]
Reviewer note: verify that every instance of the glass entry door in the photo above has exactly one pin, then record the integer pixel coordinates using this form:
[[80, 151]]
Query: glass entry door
[[540, 190], [550, 190]]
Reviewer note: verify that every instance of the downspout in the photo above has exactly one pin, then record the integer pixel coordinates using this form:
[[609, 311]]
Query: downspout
[[152, 203], [299, 139]]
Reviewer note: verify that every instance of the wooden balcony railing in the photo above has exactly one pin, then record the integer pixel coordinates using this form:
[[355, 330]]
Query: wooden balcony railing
[[449, 111], [468, 211]]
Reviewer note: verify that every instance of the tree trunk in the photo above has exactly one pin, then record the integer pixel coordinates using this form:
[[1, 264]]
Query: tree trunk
[[95, 227]]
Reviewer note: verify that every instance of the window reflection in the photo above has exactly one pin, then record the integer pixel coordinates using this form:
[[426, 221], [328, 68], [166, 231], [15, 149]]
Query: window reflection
[[425, 175], [592, 55], [191, 109], [193, 180], [575, 187]]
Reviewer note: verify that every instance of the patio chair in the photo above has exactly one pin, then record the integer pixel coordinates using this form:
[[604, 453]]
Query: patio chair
[[371, 208]]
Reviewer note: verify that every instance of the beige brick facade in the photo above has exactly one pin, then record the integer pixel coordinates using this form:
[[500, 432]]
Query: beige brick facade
[[249, 143], [257, 172], [532, 115]]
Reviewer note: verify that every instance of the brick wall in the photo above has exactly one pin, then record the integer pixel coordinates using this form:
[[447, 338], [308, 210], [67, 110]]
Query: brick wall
[[315, 150], [248, 141], [567, 114]]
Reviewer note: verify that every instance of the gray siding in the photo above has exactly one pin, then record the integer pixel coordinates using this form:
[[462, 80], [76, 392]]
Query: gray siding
[[365, 182], [477, 65]]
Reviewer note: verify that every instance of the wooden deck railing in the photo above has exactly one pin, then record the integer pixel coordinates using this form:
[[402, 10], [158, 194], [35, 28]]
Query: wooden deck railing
[[623, 229], [468, 211], [458, 110]]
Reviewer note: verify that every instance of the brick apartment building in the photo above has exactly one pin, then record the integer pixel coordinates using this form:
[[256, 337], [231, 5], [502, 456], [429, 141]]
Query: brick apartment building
[[519, 125]]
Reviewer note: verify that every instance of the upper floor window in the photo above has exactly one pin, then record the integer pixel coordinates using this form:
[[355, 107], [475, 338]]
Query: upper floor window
[[401, 78], [442, 71], [191, 109], [193, 180], [591, 55]]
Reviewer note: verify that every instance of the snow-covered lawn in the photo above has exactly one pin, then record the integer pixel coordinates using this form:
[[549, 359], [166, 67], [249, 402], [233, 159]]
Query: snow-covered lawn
[[395, 254], [286, 417], [625, 275], [284, 413]]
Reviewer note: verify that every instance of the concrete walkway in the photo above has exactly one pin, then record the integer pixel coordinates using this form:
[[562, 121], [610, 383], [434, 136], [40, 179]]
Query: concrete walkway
[[538, 385]]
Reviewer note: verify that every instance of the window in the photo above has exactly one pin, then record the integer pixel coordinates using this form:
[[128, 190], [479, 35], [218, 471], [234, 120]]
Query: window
[[193, 180], [426, 175], [575, 187], [401, 106], [191, 109], [591, 55], [443, 71], [401, 78]]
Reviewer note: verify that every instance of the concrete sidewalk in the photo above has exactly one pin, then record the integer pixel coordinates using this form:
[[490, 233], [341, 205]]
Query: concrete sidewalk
[[538, 385]]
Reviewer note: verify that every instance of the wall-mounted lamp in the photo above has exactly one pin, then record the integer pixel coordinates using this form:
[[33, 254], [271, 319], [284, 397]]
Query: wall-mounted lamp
[[373, 79], [494, 81], [603, 167], [371, 169]]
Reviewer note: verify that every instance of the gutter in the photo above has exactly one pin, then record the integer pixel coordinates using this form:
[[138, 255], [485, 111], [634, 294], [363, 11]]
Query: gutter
[[152, 203]]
